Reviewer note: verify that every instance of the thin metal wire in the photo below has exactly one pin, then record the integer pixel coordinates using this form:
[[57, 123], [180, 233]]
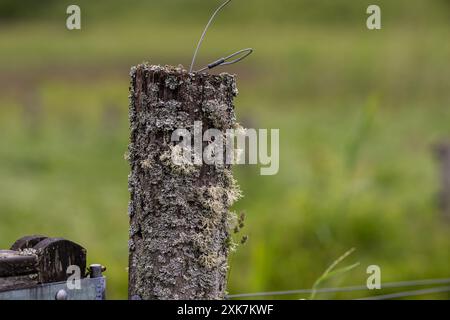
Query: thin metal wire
[[221, 61], [204, 32], [407, 293], [225, 62], [398, 284]]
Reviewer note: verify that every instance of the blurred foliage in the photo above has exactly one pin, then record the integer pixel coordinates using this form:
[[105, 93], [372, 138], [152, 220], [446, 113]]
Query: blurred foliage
[[357, 110], [339, 12]]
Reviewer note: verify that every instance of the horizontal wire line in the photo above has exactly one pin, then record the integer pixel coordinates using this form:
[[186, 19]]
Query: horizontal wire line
[[408, 293], [343, 289]]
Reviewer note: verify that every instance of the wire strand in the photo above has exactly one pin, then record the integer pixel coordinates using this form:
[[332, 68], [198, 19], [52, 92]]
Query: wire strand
[[225, 62], [204, 33], [397, 284], [407, 293]]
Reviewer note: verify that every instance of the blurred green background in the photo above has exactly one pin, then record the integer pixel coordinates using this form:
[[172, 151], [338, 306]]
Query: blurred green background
[[358, 113]]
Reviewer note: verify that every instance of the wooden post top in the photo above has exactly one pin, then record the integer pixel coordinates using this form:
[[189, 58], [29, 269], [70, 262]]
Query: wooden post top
[[38, 259]]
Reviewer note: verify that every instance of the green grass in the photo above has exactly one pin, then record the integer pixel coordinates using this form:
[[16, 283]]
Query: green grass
[[357, 111]]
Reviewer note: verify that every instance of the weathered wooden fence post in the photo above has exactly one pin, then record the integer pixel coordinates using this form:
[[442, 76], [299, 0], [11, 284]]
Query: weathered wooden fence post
[[443, 155], [179, 214]]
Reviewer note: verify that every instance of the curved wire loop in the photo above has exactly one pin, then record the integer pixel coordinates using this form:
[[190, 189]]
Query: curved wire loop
[[225, 62]]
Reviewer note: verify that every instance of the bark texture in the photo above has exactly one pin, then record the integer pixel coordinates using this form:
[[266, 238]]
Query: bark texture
[[179, 214]]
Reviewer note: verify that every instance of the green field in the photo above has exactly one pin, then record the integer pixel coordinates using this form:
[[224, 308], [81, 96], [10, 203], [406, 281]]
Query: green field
[[358, 113]]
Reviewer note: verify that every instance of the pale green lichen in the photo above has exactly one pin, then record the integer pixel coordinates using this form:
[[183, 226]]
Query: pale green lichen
[[218, 198], [213, 260], [175, 159], [146, 164]]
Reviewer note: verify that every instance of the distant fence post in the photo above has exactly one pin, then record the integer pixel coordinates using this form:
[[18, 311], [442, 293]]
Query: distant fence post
[[443, 155], [179, 218]]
